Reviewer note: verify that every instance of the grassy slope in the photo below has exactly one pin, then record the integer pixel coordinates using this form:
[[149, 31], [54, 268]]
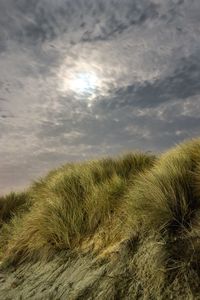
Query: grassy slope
[[136, 215]]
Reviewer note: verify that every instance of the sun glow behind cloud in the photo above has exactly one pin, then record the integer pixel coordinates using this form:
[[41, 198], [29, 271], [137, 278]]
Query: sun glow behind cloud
[[82, 81]]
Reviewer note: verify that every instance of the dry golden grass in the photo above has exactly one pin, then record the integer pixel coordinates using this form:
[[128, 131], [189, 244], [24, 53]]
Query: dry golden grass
[[146, 205]]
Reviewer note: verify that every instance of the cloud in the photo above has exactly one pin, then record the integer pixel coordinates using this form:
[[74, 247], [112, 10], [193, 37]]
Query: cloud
[[145, 54], [182, 84], [39, 21]]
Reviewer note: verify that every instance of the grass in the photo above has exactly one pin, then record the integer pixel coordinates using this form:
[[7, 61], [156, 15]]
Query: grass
[[70, 204], [152, 203], [11, 204], [167, 197]]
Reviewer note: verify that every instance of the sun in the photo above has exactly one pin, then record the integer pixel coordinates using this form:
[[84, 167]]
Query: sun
[[83, 83]]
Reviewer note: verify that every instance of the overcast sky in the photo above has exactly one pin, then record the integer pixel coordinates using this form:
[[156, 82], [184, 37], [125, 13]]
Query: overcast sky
[[87, 78]]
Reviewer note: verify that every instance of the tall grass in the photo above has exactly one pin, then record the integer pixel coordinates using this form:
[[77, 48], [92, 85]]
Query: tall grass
[[151, 204], [11, 204], [166, 197], [71, 204], [163, 207]]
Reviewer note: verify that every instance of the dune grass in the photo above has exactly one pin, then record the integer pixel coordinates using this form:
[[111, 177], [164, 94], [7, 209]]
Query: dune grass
[[167, 196], [11, 204], [151, 203], [164, 208], [70, 204]]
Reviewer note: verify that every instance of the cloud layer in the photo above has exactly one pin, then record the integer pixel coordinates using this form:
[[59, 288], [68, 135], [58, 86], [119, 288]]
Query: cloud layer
[[145, 55]]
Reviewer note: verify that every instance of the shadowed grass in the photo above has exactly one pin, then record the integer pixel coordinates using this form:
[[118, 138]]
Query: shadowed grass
[[11, 204]]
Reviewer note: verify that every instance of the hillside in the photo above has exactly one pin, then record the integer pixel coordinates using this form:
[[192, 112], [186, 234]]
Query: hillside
[[121, 228]]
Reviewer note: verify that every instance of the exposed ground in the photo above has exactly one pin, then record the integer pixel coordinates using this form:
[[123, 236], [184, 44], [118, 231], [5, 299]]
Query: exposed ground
[[121, 228]]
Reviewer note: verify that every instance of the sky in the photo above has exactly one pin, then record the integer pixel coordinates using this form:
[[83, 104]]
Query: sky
[[82, 79]]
